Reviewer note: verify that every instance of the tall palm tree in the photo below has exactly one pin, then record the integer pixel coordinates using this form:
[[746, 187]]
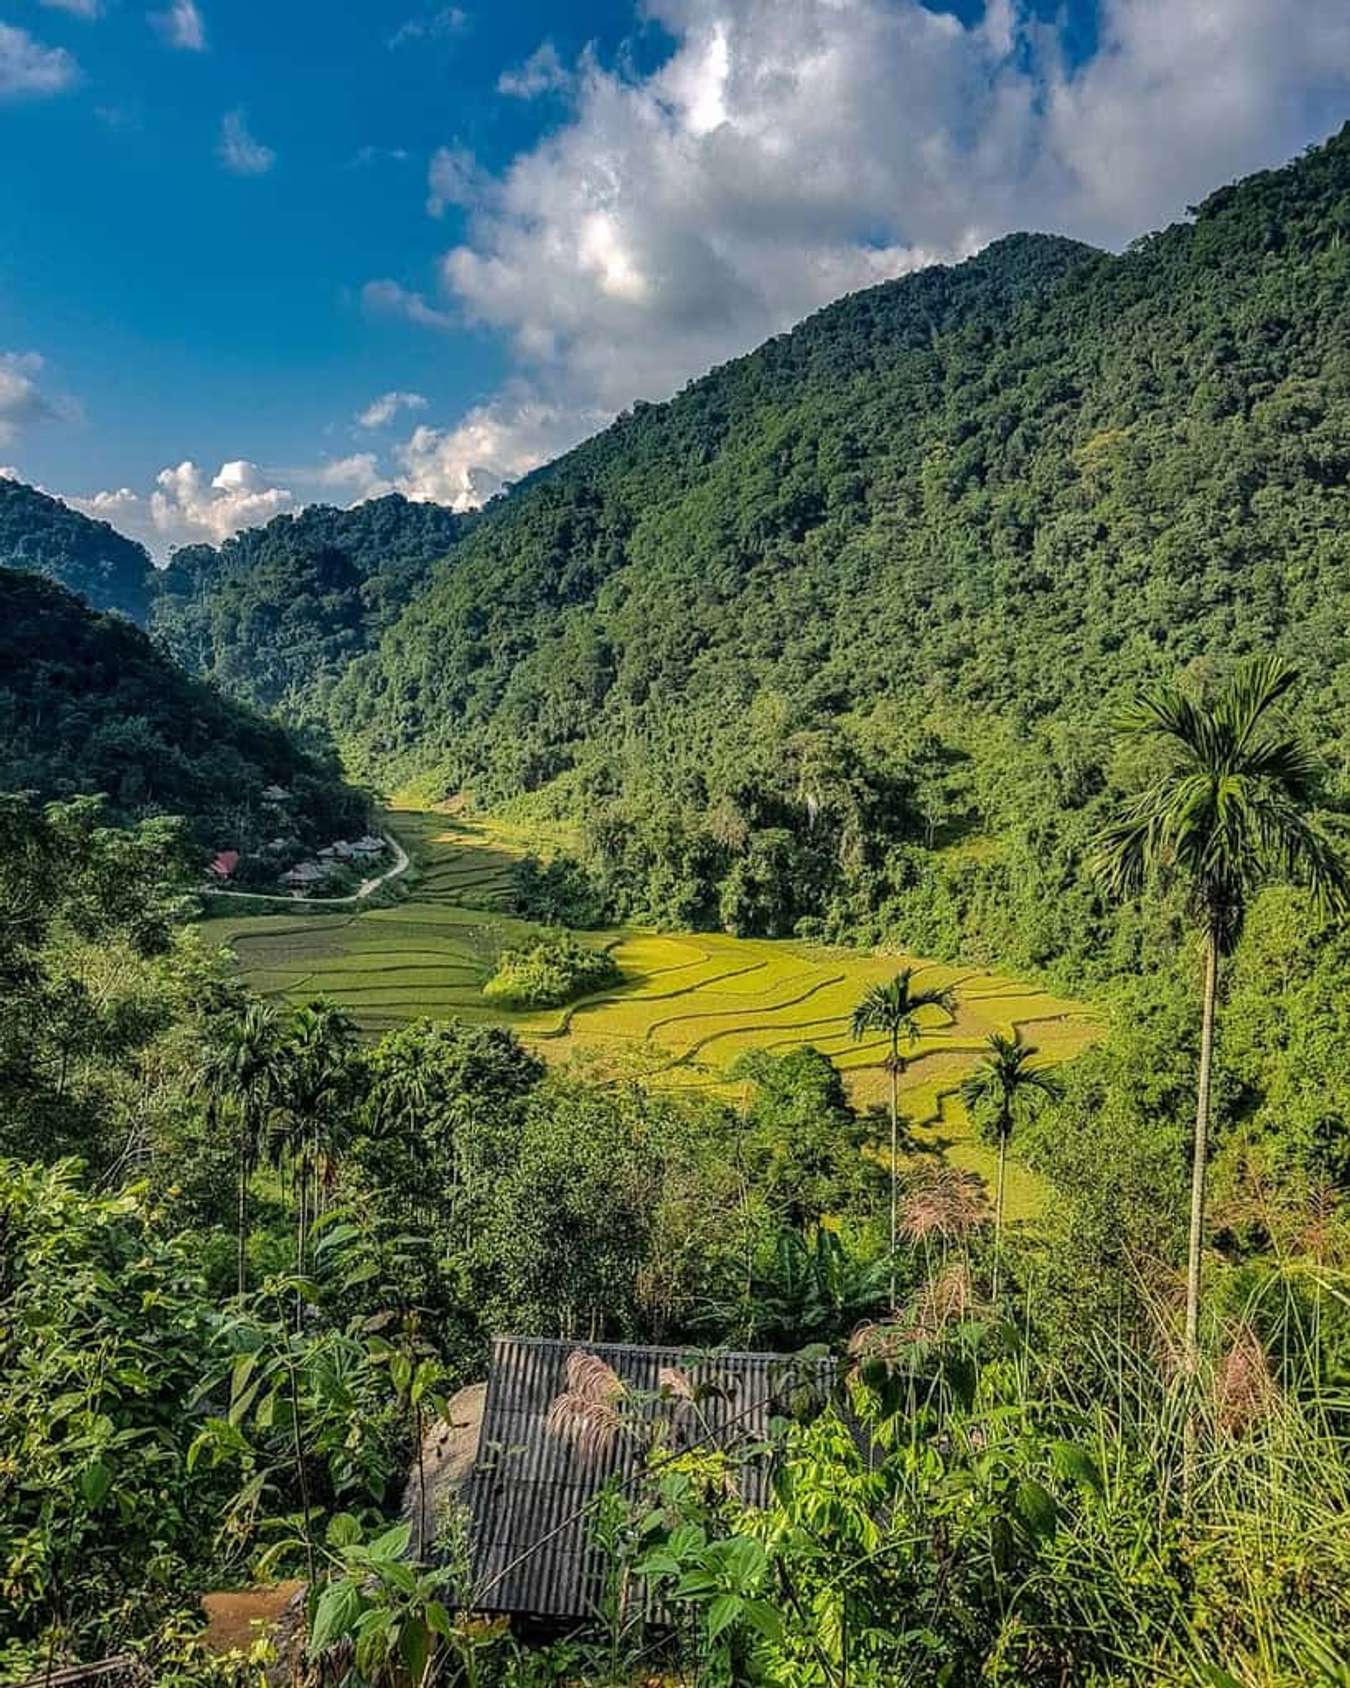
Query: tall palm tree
[[1230, 809], [239, 1075], [1003, 1090], [893, 1010], [314, 1091]]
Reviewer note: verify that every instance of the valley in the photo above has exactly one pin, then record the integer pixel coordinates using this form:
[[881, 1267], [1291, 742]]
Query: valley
[[690, 1004]]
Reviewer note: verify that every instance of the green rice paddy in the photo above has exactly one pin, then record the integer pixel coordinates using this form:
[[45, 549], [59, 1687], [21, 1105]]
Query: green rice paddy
[[689, 1005]]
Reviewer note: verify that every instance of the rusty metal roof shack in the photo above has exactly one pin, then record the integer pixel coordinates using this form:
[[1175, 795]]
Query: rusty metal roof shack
[[530, 1493]]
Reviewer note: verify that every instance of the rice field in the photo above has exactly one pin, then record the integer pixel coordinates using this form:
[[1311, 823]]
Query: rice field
[[689, 1004]]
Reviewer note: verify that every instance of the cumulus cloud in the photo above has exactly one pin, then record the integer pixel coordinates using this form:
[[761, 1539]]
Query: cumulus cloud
[[493, 445], [387, 298], [788, 151], [542, 73], [28, 69], [381, 411], [239, 151], [187, 506], [182, 26]]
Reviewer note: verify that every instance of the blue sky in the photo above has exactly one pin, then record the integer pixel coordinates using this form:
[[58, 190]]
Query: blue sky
[[230, 229]]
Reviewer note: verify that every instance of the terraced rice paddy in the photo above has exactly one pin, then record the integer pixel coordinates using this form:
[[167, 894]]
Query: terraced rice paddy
[[690, 1003]]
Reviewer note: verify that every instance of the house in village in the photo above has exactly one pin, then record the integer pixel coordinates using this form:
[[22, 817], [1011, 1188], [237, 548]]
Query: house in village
[[555, 1423], [223, 865], [305, 876]]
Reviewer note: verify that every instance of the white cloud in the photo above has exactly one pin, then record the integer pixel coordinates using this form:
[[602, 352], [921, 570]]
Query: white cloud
[[182, 26], [77, 8], [389, 299], [445, 20], [239, 151], [22, 401], [9, 473], [542, 73], [789, 151], [493, 445], [454, 179], [381, 411], [27, 68]]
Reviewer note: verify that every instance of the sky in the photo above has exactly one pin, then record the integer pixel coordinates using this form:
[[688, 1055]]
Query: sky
[[256, 255]]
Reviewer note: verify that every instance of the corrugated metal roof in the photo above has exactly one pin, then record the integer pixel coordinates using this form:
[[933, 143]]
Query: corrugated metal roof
[[532, 1482]]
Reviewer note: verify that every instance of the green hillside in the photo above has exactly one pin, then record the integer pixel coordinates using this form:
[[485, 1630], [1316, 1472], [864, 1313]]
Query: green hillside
[[89, 705], [829, 644], [109, 572], [276, 613]]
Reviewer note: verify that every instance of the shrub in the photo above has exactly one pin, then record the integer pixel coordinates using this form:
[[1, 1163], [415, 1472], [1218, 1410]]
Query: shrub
[[556, 970]]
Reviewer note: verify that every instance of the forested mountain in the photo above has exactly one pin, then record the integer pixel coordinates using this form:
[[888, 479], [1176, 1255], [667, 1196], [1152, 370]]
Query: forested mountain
[[277, 612], [831, 641], [109, 571], [883, 583], [89, 706]]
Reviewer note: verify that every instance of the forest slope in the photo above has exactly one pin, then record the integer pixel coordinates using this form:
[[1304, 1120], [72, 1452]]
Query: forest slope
[[109, 571], [89, 705]]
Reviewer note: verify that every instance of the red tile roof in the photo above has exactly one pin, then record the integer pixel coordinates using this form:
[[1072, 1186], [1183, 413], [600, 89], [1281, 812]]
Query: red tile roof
[[224, 864]]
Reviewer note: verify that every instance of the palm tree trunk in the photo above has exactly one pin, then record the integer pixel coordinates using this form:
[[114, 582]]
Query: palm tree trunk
[[998, 1209], [1199, 1153], [895, 1152], [243, 1216]]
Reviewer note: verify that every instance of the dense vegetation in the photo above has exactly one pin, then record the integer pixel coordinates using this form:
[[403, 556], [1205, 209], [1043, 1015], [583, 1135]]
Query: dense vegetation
[[549, 973], [89, 704], [277, 613], [40, 533], [244, 1258]]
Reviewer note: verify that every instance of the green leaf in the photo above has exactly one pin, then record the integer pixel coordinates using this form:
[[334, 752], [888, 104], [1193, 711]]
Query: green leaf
[[724, 1611], [340, 1605], [95, 1481], [343, 1530], [1078, 1465], [393, 1544], [414, 1643], [1036, 1508], [438, 1619], [766, 1618]]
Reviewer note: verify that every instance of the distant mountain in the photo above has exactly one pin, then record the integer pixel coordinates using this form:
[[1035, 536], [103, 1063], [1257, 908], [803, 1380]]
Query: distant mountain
[[109, 571], [88, 704], [277, 613]]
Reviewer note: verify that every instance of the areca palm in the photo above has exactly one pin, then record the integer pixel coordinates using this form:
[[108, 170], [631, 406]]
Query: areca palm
[[1230, 809], [893, 1010], [239, 1073], [314, 1089], [1002, 1090]]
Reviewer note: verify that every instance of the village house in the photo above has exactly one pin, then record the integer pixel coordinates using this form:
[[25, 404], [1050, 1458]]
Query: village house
[[222, 868]]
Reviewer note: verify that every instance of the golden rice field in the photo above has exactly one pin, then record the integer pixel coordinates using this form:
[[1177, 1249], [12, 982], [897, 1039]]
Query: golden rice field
[[689, 1003]]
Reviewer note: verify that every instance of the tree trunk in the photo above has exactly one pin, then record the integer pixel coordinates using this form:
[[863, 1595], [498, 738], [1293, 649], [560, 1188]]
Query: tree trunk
[[1199, 1155], [998, 1209], [243, 1217], [1199, 1152], [895, 1152]]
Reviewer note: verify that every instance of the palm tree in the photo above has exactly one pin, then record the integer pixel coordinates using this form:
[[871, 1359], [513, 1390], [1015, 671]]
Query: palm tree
[[1229, 810], [1002, 1090], [893, 1010], [313, 1094], [239, 1072]]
